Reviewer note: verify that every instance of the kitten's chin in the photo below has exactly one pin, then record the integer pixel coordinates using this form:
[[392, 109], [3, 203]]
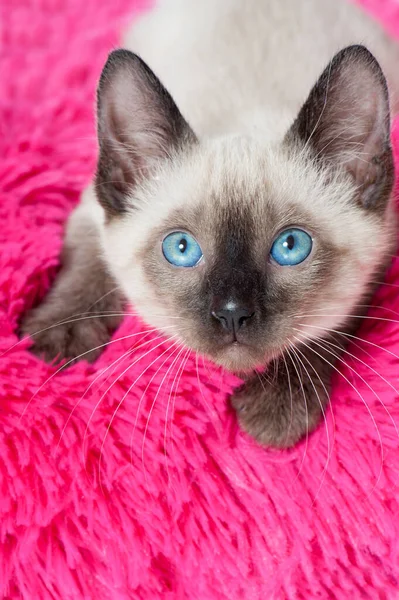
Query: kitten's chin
[[238, 358]]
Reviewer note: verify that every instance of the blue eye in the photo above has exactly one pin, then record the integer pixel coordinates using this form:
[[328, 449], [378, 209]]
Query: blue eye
[[291, 247], [181, 249]]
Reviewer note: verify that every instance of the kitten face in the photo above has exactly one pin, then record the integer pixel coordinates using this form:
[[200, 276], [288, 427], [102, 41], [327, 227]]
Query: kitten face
[[234, 197]]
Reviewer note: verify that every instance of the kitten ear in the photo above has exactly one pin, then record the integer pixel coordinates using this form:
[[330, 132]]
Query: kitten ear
[[346, 122], [138, 125]]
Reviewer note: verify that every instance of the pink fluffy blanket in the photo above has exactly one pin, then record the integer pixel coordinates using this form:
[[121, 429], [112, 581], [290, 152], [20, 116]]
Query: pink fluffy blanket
[[129, 478]]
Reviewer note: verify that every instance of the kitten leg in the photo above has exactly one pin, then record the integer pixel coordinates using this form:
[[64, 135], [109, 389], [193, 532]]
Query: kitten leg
[[279, 411], [83, 288]]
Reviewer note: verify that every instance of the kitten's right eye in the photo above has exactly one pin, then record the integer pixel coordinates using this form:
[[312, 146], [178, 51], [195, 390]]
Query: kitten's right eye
[[181, 249]]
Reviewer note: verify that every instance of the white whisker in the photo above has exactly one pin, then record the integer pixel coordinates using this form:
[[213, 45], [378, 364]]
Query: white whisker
[[179, 349], [163, 341], [173, 389], [364, 381], [358, 393], [120, 358], [125, 395], [306, 410], [290, 390], [330, 445], [212, 413], [125, 337], [81, 317], [351, 336]]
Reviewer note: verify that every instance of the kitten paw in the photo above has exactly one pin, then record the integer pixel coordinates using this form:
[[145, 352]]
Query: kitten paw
[[277, 414], [57, 336]]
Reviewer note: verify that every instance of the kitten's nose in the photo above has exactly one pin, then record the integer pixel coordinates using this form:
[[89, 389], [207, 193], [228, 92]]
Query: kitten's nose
[[232, 316]]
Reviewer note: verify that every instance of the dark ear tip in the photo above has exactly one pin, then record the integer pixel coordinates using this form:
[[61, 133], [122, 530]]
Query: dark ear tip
[[122, 60], [357, 53], [119, 58]]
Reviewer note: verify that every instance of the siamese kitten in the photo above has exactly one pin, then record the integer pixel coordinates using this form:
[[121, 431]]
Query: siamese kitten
[[238, 207]]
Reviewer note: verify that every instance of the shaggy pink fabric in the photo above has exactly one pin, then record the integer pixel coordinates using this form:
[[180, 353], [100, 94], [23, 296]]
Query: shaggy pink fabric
[[148, 501]]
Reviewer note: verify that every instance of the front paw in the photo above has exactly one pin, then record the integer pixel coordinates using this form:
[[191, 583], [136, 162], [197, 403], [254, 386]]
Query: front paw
[[56, 336], [277, 414]]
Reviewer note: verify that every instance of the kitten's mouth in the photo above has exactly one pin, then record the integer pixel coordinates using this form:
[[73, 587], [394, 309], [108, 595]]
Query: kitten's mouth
[[238, 356], [235, 353]]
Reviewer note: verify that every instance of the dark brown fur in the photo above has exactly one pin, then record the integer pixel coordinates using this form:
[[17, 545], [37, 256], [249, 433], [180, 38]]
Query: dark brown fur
[[66, 325]]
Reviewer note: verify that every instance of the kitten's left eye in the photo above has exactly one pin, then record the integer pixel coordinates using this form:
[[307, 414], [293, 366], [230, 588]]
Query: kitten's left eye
[[181, 249], [291, 247]]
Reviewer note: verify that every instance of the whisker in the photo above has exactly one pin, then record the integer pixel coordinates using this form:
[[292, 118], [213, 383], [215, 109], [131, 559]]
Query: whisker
[[179, 351], [355, 337], [79, 317], [174, 389], [125, 395], [275, 370], [172, 414], [125, 337], [330, 446], [365, 382], [351, 317], [206, 368], [260, 380], [395, 285], [117, 287], [290, 389], [213, 415], [142, 397], [175, 392], [115, 381], [306, 410], [358, 393], [354, 344], [120, 358], [369, 306], [211, 376]]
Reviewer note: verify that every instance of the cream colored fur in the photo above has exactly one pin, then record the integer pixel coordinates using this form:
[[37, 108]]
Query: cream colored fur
[[239, 65], [236, 69]]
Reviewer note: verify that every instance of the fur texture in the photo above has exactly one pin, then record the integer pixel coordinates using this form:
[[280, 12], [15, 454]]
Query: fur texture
[[224, 519], [218, 58], [235, 194]]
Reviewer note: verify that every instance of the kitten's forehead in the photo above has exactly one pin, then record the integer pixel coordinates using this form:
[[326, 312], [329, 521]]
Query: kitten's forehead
[[236, 173]]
